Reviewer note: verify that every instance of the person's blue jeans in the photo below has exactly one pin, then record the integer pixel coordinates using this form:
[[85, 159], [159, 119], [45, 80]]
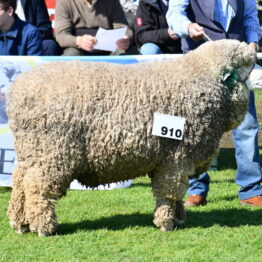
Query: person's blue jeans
[[50, 48], [248, 175], [150, 49]]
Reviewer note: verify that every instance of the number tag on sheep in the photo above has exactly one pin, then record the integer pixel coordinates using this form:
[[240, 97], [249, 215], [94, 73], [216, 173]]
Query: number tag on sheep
[[168, 126]]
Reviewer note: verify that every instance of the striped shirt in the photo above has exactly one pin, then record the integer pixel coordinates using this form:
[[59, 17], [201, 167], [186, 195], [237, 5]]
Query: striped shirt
[[178, 21]]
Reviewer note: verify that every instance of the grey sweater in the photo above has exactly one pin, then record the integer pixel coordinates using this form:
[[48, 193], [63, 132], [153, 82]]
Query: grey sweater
[[71, 15]]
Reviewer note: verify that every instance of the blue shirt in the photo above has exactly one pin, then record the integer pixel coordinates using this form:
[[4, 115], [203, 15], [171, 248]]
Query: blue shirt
[[178, 21], [223, 13], [21, 39]]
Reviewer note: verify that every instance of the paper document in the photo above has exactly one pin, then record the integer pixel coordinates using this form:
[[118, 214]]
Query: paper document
[[106, 39]]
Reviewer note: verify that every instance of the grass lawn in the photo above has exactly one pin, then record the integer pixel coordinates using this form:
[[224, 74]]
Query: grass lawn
[[258, 95], [117, 225]]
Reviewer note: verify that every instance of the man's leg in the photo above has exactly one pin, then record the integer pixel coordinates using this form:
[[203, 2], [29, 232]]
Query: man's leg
[[73, 51], [132, 50], [51, 48], [198, 190], [248, 174], [150, 49]]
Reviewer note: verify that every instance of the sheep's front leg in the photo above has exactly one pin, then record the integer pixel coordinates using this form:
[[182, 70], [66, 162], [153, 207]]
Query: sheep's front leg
[[16, 212], [164, 214], [42, 190], [169, 192]]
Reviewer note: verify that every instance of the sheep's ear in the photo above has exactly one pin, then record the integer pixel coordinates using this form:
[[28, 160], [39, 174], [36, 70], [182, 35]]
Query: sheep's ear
[[230, 79]]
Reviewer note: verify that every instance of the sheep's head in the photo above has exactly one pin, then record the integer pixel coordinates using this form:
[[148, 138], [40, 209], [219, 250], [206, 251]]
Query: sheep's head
[[230, 63]]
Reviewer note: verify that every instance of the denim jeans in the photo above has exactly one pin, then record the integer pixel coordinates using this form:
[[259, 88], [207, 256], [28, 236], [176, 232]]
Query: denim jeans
[[150, 49], [248, 175], [51, 48]]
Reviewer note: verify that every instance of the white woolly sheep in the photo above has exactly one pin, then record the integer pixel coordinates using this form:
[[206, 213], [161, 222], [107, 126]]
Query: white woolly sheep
[[92, 122]]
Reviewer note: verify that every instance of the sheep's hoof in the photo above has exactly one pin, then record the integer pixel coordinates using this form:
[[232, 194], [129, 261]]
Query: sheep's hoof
[[19, 229], [44, 234], [180, 215], [165, 229], [164, 226], [39, 232], [23, 230], [178, 222]]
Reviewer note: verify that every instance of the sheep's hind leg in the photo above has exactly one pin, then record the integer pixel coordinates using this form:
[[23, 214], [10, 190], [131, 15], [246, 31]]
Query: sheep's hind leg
[[169, 191], [16, 212], [42, 190]]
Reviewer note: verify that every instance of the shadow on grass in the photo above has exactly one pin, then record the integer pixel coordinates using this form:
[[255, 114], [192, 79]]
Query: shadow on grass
[[230, 218], [228, 180], [204, 219], [116, 222]]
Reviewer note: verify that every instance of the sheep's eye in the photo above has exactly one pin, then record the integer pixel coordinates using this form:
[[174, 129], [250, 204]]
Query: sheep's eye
[[230, 79]]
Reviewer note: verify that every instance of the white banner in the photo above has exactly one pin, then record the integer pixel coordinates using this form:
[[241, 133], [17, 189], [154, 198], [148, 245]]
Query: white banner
[[10, 68]]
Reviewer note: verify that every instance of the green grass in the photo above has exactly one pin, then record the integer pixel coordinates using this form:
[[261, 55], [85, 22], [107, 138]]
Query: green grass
[[258, 96], [112, 226], [117, 226], [258, 93], [227, 142]]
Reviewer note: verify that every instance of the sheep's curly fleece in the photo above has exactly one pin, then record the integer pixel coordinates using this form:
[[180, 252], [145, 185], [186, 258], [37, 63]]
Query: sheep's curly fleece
[[92, 121]]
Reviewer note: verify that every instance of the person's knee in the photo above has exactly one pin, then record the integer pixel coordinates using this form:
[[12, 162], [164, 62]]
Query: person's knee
[[150, 49], [51, 48], [72, 51], [132, 50]]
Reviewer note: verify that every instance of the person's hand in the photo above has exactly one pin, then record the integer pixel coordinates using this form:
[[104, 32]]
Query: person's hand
[[171, 34], [123, 43], [86, 42], [195, 31], [253, 46], [2, 96]]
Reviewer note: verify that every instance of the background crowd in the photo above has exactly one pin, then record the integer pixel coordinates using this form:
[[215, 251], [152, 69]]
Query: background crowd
[[153, 27]]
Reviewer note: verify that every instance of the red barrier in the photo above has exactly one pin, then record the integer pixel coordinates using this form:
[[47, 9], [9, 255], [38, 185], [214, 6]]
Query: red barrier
[[51, 11], [50, 3]]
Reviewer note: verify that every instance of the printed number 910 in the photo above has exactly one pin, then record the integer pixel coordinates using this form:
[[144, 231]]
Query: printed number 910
[[165, 131]]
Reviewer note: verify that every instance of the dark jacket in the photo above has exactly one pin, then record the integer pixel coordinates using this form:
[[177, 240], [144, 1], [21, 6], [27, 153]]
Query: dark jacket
[[22, 39], [36, 14], [202, 12], [151, 27]]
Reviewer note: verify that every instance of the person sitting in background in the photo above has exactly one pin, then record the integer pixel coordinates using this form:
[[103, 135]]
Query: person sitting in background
[[130, 8], [16, 36], [35, 12], [77, 22], [151, 29]]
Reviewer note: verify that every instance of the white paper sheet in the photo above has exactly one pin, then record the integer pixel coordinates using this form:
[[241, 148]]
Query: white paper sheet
[[106, 39]]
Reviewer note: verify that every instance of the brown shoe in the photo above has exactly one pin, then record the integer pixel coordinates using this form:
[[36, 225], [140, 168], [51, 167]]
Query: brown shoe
[[255, 201], [195, 200]]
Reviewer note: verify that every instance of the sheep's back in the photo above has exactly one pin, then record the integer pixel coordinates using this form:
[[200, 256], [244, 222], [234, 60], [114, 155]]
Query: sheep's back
[[98, 116], [101, 111]]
